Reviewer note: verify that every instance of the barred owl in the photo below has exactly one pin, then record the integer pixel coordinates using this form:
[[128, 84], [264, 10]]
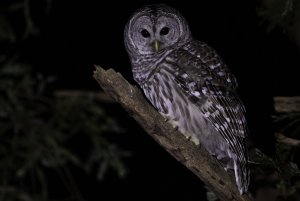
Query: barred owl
[[189, 84]]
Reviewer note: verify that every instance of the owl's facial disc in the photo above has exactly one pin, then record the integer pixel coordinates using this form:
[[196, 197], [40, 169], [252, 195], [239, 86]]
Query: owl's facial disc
[[152, 36], [154, 29], [167, 31], [142, 34], [145, 33], [157, 44]]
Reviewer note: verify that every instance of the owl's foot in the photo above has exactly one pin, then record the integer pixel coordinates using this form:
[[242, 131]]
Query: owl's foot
[[173, 123], [168, 119], [195, 140], [191, 138]]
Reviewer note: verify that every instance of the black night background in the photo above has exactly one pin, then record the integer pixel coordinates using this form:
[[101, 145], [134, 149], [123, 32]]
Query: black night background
[[44, 129]]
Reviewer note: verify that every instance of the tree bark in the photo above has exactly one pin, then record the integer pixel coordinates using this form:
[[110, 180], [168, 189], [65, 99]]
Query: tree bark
[[195, 158], [287, 104]]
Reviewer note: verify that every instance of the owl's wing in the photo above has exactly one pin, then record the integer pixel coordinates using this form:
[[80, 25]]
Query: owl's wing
[[206, 79], [209, 61], [207, 82]]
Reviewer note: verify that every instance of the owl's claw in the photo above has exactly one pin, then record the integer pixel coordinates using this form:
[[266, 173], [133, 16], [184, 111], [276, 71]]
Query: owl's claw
[[195, 140]]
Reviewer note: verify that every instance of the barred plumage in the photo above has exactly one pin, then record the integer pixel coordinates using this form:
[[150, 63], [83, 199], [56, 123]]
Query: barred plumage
[[189, 84]]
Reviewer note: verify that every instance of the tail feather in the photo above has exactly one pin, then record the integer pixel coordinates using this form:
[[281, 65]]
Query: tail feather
[[242, 176]]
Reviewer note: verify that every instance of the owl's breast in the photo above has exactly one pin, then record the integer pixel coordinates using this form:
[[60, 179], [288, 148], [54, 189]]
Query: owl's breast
[[171, 101]]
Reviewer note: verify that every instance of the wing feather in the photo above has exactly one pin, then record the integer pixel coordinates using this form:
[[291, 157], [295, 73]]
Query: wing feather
[[213, 89]]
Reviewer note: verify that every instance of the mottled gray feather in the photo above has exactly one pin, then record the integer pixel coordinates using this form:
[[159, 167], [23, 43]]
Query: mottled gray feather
[[189, 84]]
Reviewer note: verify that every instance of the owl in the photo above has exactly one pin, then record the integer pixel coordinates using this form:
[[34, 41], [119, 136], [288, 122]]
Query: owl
[[189, 84]]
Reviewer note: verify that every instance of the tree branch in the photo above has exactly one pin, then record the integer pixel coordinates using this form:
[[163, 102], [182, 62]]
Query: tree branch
[[287, 140], [287, 104], [195, 158]]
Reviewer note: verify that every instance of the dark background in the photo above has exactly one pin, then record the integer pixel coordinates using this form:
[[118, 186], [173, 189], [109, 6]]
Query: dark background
[[75, 35]]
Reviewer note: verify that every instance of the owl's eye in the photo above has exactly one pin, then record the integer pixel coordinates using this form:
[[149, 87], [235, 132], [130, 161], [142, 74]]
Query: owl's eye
[[145, 33], [164, 31]]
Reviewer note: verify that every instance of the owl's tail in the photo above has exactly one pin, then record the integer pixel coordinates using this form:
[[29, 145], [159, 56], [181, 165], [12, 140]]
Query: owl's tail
[[242, 175]]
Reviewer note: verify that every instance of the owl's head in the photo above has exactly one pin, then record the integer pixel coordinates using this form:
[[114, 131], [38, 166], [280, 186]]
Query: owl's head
[[155, 28]]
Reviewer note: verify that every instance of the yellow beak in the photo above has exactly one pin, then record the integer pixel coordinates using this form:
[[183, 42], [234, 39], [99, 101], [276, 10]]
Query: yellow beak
[[156, 46]]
